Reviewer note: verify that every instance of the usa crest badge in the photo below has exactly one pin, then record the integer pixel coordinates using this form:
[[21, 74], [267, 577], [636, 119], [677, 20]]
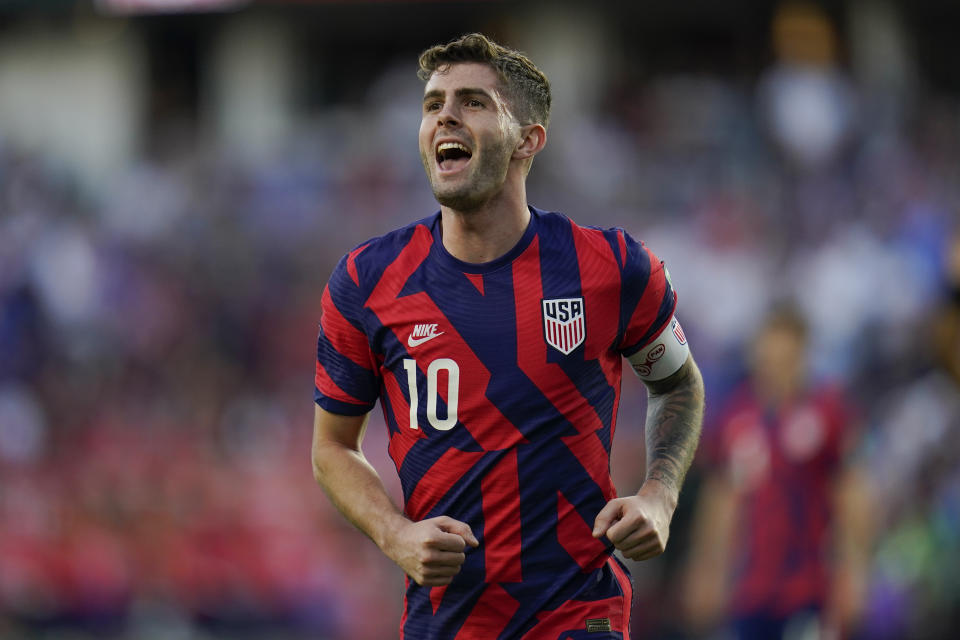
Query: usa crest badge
[[564, 327]]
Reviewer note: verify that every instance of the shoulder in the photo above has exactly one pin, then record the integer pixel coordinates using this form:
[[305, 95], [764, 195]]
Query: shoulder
[[606, 242], [366, 261], [834, 402]]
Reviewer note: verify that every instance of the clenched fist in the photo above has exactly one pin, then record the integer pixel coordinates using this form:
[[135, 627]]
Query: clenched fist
[[639, 525], [431, 551]]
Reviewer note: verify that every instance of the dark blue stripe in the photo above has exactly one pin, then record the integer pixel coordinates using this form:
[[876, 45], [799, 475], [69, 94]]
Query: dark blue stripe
[[663, 315], [509, 389], [389, 414], [346, 296], [458, 601], [551, 576], [360, 382], [561, 279], [612, 238], [634, 280], [337, 407], [380, 253]]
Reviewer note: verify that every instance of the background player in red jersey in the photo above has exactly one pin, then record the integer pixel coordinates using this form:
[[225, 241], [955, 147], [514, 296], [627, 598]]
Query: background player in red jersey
[[493, 334], [781, 540]]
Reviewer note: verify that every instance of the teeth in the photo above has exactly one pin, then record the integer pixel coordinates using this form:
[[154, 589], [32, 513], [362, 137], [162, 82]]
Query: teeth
[[443, 146]]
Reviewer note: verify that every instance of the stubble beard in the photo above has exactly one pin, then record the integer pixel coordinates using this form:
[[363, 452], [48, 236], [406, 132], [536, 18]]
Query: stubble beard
[[472, 191]]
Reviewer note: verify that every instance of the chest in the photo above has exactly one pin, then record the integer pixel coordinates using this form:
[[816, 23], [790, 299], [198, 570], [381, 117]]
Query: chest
[[494, 321], [765, 448]]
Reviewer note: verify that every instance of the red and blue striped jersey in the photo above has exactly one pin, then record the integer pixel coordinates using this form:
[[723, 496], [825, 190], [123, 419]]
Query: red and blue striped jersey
[[499, 383], [783, 464]]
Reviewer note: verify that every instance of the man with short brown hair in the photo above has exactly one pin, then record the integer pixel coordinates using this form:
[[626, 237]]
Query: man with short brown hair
[[493, 335]]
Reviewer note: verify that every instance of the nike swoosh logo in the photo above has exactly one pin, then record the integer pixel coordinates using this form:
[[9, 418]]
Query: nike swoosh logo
[[416, 342]]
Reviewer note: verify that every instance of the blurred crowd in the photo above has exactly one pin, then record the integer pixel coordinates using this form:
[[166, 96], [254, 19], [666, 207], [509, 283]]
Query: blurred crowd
[[157, 339]]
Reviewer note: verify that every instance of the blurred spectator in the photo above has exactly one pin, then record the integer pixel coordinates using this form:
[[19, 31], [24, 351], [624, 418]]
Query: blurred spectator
[[157, 331], [808, 102], [807, 105], [916, 468], [780, 545]]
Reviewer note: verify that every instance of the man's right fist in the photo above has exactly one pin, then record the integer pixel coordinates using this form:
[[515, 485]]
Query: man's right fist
[[431, 551]]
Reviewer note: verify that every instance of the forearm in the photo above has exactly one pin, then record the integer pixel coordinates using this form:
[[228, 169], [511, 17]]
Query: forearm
[[853, 539], [430, 551], [355, 488], [674, 418]]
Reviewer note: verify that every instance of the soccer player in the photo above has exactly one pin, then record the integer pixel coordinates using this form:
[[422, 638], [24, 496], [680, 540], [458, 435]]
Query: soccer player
[[493, 334], [781, 544]]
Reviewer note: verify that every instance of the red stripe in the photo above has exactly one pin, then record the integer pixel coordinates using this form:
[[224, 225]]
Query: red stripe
[[352, 263], [626, 586], [649, 306], [329, 388], [436, 597], [600, 282], [573, 614], [403, 266], [404, 438], [442, 475], [594, 457], [532, 352], [576, 537], [477, 280], [490, 616], [601, 285], [345, 338], [550, 377], [488, 426], [500, 488], [622, 245]]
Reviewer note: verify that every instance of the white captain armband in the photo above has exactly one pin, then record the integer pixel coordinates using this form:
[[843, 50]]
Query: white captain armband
[[664, 356]]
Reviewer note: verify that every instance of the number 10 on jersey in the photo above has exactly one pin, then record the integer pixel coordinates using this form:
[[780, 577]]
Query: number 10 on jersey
[[433, 373]]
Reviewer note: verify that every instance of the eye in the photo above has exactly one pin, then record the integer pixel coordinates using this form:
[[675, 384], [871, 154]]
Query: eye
[[431, 106], [474, 103]]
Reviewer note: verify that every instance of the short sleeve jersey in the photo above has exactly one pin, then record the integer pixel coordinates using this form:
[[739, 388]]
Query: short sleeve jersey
[[499, 384], [783, 464]]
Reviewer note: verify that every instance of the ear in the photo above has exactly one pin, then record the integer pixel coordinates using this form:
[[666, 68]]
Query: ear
[[533, 137]]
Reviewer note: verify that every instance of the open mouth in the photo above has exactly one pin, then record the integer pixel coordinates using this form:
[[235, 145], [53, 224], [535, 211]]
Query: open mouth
[[452, 156]]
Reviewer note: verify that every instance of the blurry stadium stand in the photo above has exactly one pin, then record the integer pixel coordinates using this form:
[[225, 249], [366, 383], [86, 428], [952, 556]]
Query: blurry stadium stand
[[177, 182]]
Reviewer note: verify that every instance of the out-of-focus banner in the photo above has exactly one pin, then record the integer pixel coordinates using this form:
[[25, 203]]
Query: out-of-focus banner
[[183, 6], [167, 6]]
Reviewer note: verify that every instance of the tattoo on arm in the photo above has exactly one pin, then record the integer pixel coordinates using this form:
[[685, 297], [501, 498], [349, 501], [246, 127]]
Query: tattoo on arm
[[674, 417]]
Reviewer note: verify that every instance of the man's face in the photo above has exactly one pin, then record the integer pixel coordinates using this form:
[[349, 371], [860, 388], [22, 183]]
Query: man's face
[[779, 361], [467, 135]]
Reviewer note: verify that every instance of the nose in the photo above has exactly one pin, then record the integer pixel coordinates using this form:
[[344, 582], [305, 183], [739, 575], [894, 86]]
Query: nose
[[447, 117]]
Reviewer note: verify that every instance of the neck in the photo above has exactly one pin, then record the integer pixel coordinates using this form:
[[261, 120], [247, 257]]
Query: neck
[[488, 232], [777, 395]]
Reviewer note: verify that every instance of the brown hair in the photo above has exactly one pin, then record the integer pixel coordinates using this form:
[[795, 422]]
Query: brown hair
[[526, 87], [786, 315]]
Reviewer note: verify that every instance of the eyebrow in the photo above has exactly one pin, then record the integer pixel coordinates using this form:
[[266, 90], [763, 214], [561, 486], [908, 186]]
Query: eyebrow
[[458, 93]]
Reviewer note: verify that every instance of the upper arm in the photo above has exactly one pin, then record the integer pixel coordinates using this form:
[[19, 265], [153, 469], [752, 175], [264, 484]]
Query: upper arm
[[652, 340], [687, 375], [647, 298], [347, 379], [342, 430]]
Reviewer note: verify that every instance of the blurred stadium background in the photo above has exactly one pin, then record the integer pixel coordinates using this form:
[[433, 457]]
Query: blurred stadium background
[[178, 178]]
